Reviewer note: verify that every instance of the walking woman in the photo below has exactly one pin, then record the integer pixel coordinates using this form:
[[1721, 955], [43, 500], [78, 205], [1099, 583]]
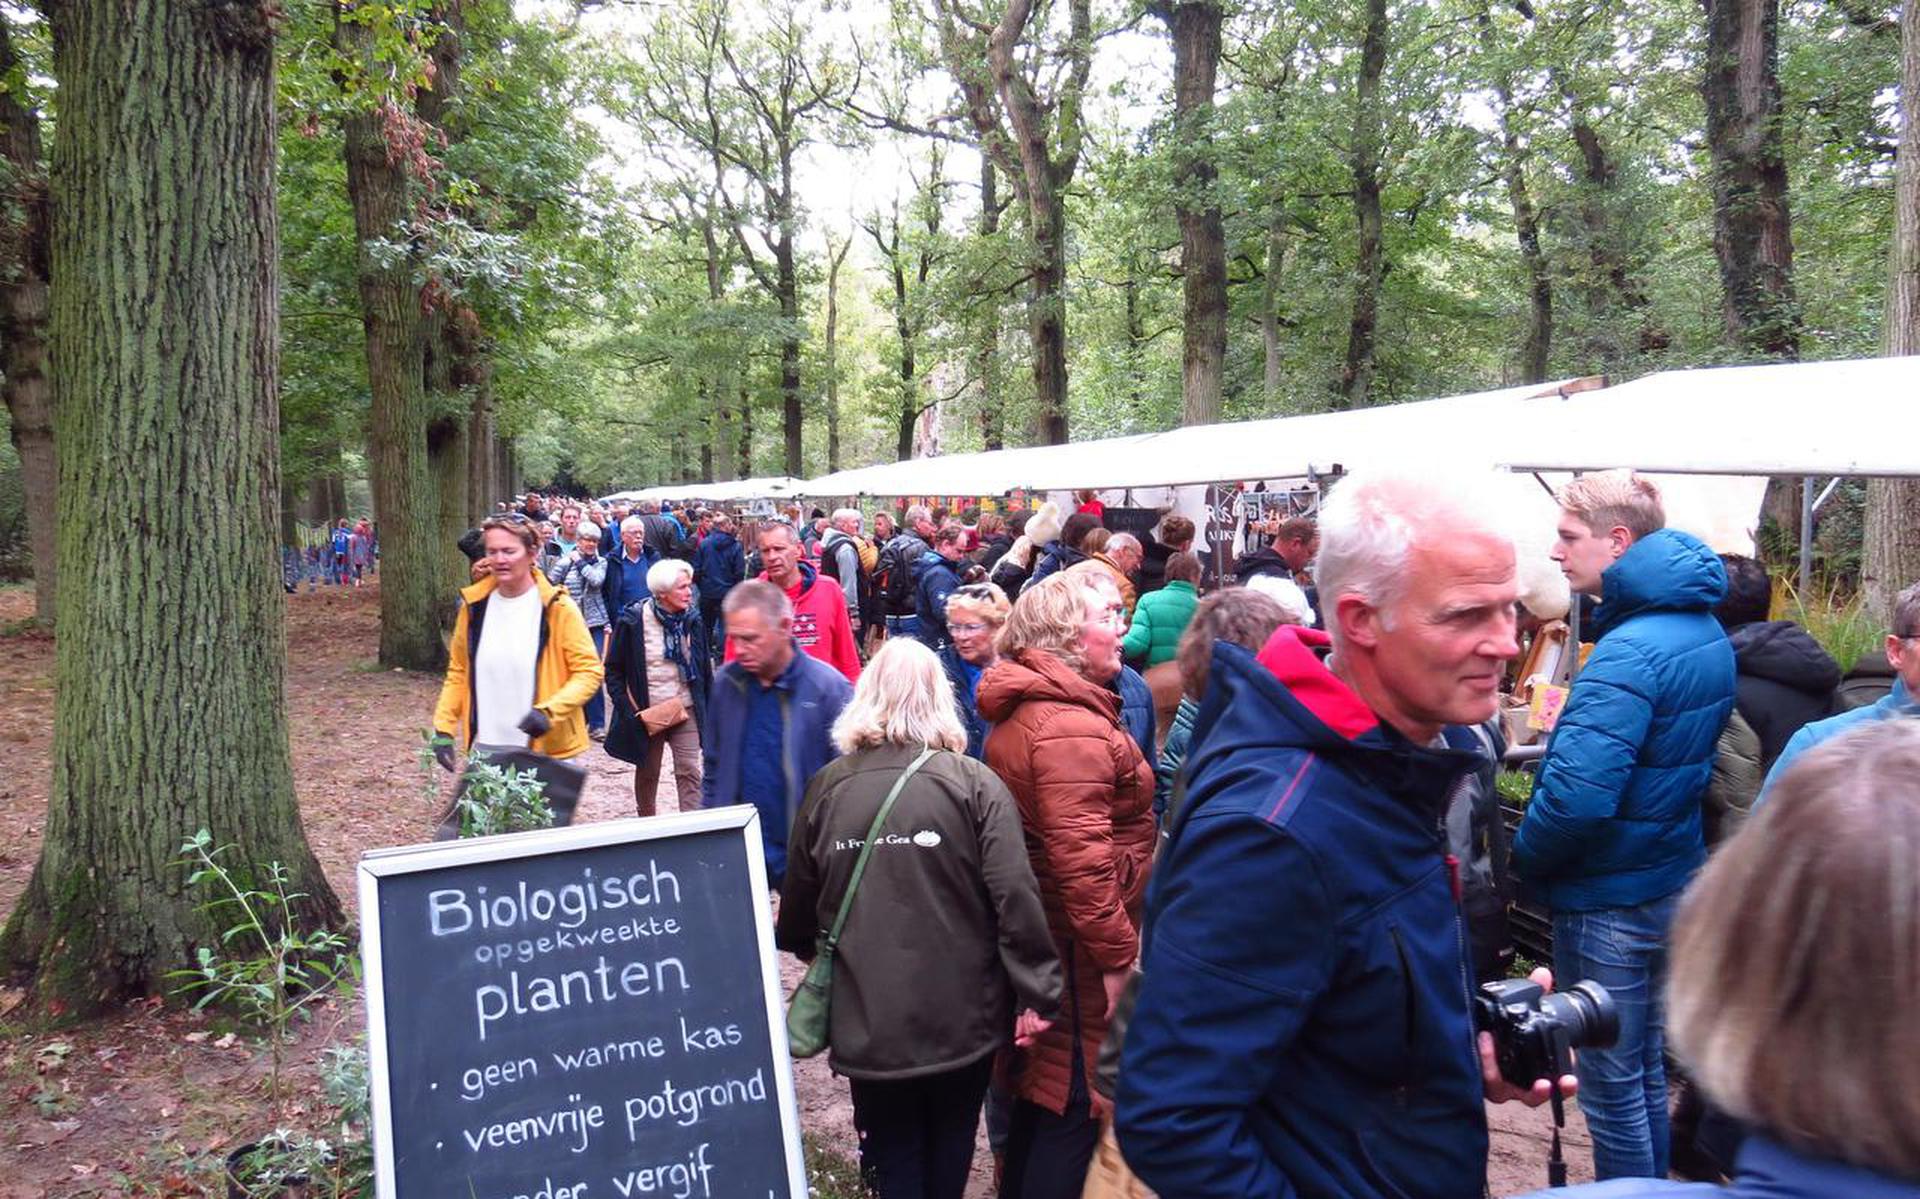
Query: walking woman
[[659, 673], [521, 665], [944, 938], [975, 612], [1085, 796]]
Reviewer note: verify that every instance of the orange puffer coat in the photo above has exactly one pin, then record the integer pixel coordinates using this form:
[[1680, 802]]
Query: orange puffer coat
[[1085, 797]]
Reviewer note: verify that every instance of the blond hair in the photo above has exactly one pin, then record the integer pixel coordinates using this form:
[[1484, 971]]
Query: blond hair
[[903, 698], [1050, 614], [1610, 499], [1796, 948], [985, 600]]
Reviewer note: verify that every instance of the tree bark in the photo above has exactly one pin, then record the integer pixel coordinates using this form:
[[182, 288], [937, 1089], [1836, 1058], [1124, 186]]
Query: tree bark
[[729, 455], [1892, 557], [1278, 247], [412, 583], [835, 258], [986, 354], [1195, 28], [170, 703], [24, 250], [1752, 229], [1537, 346], [1356, 376]]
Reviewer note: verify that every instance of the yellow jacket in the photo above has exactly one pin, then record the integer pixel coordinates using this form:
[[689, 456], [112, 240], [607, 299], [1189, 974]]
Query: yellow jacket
[[564, 679]]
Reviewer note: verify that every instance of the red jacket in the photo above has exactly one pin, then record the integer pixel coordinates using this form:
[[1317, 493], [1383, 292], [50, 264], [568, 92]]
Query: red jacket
[[820, 624], [1086, 805]]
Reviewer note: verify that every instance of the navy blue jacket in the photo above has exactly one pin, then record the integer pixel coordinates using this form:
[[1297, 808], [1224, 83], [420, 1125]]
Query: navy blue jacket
[[719, 565], [1136, 709], [1765, 1169], [1303, 1026], [627, 737], [933, 581], [1615, 816], [618, 594], [811, 696], [977, 726]]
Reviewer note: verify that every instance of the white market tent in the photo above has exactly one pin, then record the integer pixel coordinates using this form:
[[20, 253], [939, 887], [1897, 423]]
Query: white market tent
[[769, 487]]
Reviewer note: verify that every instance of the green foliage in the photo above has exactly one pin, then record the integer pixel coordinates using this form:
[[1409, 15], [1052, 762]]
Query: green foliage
[[1838, 620], [1515, 787], [497, 799], [267, 968]]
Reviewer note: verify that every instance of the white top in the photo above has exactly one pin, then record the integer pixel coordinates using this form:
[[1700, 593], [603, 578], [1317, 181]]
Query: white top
[[503, 668], [663, 673]]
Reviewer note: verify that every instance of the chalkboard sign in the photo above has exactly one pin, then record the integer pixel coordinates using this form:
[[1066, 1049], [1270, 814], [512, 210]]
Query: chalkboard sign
[[1138, 521], [579, 1013]]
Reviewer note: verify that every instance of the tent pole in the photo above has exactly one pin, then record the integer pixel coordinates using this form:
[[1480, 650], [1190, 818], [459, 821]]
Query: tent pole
[[1806, 532]]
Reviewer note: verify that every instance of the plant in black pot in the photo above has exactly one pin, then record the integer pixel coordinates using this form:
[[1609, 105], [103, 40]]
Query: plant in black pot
[[270, 971]]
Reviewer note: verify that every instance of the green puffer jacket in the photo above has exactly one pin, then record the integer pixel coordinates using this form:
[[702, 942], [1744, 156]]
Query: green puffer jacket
[[1158, 622]]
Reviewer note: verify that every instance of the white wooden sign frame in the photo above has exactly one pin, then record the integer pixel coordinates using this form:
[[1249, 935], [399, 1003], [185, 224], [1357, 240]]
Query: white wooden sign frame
[[384, 863]]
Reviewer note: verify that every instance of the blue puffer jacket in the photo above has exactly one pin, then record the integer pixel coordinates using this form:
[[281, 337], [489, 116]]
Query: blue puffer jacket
[[1615, 815], [812, 694], [1303, 1027], [977, 726], [1766, 1169], [1898, 702], [933, 581]]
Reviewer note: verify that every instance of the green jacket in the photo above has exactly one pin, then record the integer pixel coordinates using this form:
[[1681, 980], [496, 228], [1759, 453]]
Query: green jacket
[[1158, 622]]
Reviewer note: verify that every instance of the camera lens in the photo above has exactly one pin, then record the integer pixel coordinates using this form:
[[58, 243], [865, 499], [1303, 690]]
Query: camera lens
[[1588, 1014]]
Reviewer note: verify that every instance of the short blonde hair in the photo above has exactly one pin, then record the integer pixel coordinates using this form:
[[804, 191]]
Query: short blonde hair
[[903, 698], [1050, 614], [1614, 498], [984, 600], [1794, 950], [1096, 540]]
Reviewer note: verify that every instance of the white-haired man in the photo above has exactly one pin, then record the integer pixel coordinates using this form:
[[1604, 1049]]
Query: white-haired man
[[1304, 1024], [840, 560]]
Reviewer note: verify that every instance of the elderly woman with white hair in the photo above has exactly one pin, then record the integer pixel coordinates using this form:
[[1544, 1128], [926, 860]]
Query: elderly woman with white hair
[[944, 936], [658, 673], [975, 612]]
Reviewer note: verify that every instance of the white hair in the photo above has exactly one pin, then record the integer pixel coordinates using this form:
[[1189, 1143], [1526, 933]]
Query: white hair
[[1123, 541], [631, 523], [841, 514], [1286, 593], [1373, 520], [663, 576], [586, 529]]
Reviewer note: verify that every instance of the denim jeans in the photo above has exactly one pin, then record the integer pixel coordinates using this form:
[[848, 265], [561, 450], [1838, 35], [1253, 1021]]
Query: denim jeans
[[1623, 1089]]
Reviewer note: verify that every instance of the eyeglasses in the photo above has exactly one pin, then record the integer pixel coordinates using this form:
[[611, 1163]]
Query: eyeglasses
[[1116, 615], [969, 629]]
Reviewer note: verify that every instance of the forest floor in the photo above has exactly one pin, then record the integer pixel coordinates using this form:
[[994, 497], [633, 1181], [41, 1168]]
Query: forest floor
[[149, 1101]]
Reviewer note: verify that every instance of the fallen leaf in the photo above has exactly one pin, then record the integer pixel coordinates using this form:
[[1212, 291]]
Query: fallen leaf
[[226, 1042], [84, 1170], [197, 1037]]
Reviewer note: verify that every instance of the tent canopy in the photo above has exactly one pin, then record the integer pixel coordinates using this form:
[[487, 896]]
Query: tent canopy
[[769, 487]]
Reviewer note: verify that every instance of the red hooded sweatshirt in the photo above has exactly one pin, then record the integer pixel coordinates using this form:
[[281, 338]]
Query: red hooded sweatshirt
[[820, 624]]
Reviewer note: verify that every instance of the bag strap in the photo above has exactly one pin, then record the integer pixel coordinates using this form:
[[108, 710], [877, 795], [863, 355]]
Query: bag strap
[[860, 863]]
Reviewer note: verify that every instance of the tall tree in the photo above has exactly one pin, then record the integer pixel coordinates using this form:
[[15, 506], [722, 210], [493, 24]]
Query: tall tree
[[1023, 91], [170, 708], [24, 249], [836, 257], [909, 246], [1752, 229], [1512, 159], [387, 162], [1892, 559], [1195, 28], [986, 318], [1363, 156]]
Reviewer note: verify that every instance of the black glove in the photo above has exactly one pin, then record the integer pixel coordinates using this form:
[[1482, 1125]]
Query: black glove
[[443, 753], [535, 723]]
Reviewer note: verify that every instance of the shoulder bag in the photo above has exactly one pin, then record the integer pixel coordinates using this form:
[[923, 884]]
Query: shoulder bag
[[808, 1010]]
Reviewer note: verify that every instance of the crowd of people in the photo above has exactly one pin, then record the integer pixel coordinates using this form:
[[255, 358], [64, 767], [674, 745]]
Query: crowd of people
[[1188, 880]]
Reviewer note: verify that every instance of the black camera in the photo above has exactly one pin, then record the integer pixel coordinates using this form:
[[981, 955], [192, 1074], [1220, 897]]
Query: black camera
[[1535, 1034]]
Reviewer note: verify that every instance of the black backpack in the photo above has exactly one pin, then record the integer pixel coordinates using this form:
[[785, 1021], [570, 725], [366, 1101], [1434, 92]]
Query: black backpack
[[893, 579]]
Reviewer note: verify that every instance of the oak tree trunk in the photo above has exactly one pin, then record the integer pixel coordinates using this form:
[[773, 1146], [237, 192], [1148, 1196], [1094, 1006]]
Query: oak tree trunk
[[835, 259], [1356, 376], [412, 582], [1195, 26], [1278, 248], [986, 354], [1752, 231], [1892, 559], [24, 250], [170, 708]]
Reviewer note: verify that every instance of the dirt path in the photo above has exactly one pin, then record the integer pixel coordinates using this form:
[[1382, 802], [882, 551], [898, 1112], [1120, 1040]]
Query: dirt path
[[145, 1103]]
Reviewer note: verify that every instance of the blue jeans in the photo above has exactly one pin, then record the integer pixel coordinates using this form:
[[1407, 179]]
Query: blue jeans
[[596, 708], [1623, 1089]]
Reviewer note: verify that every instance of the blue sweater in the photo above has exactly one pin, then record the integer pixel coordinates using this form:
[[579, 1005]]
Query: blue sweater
[[1615, 816], [1303, 1027], [1766, 1169]]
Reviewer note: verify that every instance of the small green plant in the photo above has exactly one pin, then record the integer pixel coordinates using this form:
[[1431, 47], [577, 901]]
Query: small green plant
[[269, 968], [1838, 620], [346, 1082], [498, 799], [831, 1174], [1515, 786]]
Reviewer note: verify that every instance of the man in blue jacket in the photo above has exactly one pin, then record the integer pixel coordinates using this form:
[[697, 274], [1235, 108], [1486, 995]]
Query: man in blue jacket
[[718, 566], [1303, 1027], [1612, 833], [769, 716], [935, 578]]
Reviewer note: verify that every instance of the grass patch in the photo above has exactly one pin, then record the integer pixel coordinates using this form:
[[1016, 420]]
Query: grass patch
[[831, 1174], [1836, 618]]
